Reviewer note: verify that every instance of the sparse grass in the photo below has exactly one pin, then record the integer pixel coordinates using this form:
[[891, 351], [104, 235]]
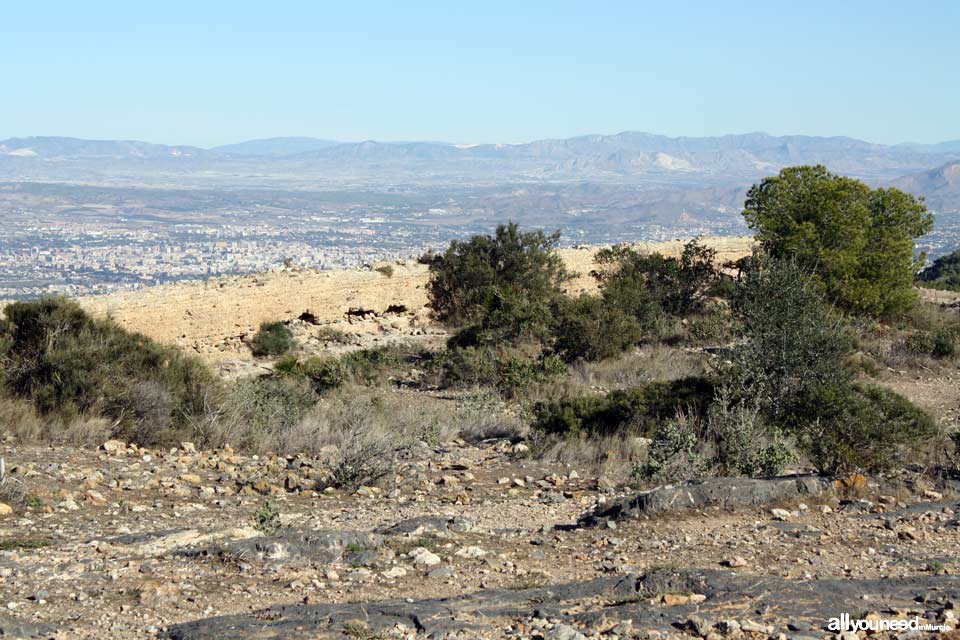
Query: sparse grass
[[935, 566], [79, 431], [925, 338], [24, 544], [20, 421], [611, 456], [534, 580], [634, 369], [361, 430], [485, 416], [403, 546], [336, 336], [654, 362]]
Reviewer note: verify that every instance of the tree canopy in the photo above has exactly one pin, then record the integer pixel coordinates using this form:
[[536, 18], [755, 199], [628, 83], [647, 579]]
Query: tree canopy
[[505, 281], [857, 240]]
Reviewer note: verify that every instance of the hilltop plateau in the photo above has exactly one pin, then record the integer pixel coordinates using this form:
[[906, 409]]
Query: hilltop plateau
[[217, 318]]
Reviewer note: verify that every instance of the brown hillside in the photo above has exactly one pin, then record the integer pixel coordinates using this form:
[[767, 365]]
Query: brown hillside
[[215, 316]]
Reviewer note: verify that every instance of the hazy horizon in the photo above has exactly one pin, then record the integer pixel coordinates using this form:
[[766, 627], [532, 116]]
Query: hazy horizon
[[466, 143]]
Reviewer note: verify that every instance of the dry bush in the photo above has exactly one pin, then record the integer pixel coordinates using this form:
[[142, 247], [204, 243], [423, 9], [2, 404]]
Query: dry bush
[[665, 363], [13, 491], [83, 431], [485, 416], [20, 421], [611, 456], [635, 369], [334, 335], [900, 356], [352, 431], [400, 417], [255, 413]]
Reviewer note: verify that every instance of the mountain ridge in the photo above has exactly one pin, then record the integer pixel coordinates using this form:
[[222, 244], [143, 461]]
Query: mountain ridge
[[637, 159], [632, 140]]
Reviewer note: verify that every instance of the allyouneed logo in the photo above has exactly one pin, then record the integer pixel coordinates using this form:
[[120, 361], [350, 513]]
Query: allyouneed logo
[[846, 623]]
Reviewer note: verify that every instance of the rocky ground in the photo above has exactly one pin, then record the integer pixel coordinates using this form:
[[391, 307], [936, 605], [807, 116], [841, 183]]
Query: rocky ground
[[471, 541]]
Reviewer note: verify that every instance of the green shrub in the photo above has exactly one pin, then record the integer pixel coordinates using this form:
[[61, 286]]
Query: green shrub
[[589, 328], [508, 370], [724, 286], [713, 324], [288, 365], [374, 365], [267, 405], [273, 339], [505, 282], [791, 342], [267, 518], [647, 286], [630, 411], [863, 427], [517, 372], [365, 366], [793, 364], [385, 270], [68, 363], [324, 373], [944, 273], [857, 241], [742, 442], [944, 344], [940, 343], [732, 439], [675, 453], [428, 258]]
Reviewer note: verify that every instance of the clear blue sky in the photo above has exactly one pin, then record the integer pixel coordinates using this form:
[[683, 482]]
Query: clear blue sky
[[207, 72]]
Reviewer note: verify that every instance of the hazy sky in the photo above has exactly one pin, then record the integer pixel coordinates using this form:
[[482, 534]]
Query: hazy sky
[[206, 72]]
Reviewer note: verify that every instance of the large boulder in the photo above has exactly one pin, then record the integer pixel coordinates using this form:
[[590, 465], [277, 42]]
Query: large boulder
[[726, 493]]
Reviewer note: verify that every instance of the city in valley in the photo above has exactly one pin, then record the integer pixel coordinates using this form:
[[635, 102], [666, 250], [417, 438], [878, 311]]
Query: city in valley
[[80, 217]]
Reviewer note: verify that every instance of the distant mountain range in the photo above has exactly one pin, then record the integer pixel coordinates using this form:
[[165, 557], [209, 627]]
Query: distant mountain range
[[644, 160], [940, 186]]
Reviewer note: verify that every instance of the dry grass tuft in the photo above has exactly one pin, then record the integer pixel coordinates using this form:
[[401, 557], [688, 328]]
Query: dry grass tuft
[[20, 422]]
